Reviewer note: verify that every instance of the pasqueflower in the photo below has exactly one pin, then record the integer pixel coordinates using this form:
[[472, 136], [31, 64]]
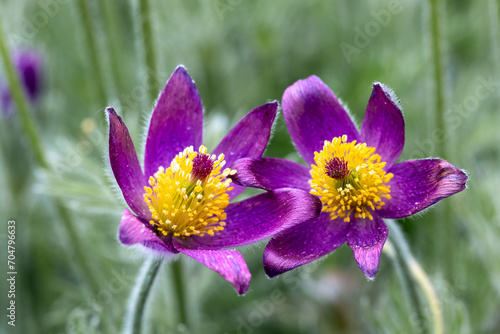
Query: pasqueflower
[[181, 202], [29, 67], [354, 174]]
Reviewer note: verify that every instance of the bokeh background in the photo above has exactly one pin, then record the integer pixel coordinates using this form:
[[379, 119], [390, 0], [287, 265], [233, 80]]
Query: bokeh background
[[242, 54]]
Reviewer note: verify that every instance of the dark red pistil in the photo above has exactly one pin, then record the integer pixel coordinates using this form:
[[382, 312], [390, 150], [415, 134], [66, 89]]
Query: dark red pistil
[[202, 166], [337, 168]]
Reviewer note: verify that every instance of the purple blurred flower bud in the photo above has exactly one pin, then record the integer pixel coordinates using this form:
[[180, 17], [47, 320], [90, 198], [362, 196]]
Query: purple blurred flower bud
[[29, 66]]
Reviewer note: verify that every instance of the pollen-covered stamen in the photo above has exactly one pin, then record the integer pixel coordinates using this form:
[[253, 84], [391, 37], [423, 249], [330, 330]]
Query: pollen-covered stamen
[[185, 199], [337, 168], [349, 179]]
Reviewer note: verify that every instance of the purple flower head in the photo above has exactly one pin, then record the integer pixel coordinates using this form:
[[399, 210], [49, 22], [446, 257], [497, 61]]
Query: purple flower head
[[181, 202], [29, 66], [353, 173]]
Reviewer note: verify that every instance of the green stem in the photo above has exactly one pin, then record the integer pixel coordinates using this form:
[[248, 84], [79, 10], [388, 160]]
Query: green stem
[[113, 38], [140, 295], [494, 11], [180, 292], [418, 276], [19, 96], [92, 50], [148, 46], [437, 16]]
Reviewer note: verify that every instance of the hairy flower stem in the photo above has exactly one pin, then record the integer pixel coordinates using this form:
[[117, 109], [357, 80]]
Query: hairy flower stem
[[180, 292], [417, 277], [19, 96], [92, 53], [148, 47], [23, 109], [139, 296]]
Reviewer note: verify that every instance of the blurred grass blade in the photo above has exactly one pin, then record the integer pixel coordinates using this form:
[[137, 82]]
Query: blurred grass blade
[[148, 47], [83, 12], [437, 17]]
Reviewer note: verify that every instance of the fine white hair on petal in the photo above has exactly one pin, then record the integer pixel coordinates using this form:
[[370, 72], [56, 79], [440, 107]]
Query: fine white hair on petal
[[274, 125], [390, 93]]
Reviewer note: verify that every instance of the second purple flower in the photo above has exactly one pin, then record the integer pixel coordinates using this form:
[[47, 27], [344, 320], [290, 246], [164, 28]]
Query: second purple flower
[[352, 172]]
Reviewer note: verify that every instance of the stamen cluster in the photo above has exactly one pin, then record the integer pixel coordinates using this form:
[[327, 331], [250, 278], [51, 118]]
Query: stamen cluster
[[189, 197], [349, 179]]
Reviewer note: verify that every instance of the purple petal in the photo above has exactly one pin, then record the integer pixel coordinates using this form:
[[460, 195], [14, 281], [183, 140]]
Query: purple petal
[[176, 123], [125, 165], [313, 114], [417, 184], [304, 243], [383, 126], [260, 217], [248, 138], [227, 262], [134, 230], [271, 173], [366, 239]]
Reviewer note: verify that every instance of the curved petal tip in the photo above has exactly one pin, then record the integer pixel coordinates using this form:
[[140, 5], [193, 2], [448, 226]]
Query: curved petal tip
[[366, 239]]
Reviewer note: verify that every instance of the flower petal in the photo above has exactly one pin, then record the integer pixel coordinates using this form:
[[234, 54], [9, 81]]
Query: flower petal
[[383, 126], [227, 262], [417, 184], [248, 138], [313, 114], [304, 243], [366, 239], [125, 165], [271, 173], [134, 230], [260, 217], [176, 123]]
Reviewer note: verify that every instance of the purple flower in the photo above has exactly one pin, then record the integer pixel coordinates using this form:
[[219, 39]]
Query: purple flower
[[181, 203], [29, 66], [353, 173]]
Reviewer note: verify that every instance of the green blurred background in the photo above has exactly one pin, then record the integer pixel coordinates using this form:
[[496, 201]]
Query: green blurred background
[[242, 54]]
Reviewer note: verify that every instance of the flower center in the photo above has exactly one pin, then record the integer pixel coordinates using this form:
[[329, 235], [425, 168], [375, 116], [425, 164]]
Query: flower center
[[349, 179], [189, 197]]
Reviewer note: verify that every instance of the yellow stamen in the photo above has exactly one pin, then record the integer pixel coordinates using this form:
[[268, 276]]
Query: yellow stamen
[[349, 179], [184, 201]]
